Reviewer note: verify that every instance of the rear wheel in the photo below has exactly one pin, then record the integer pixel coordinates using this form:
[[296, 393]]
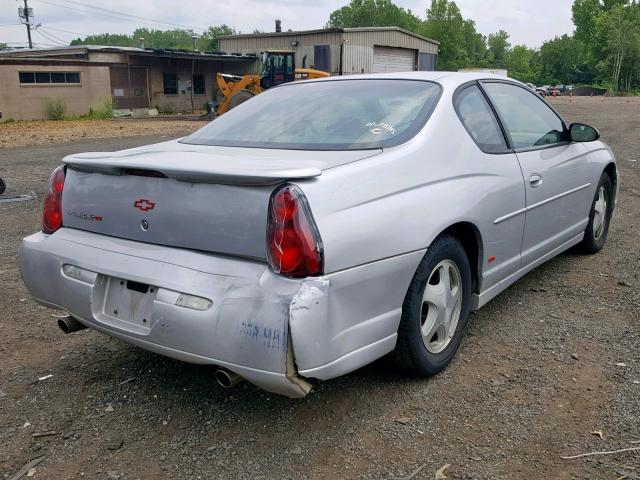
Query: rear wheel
[[597, 229], [2, 186], [436, 309]]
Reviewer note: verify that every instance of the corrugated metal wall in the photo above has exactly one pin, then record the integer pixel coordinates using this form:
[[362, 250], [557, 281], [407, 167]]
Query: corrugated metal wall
[[357, 52], [306, 43], [358, 47]]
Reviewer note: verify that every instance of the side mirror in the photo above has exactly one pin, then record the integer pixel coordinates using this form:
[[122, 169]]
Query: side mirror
[[583, 133]]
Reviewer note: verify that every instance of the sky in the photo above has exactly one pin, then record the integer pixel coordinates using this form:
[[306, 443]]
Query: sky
[[527, 22]]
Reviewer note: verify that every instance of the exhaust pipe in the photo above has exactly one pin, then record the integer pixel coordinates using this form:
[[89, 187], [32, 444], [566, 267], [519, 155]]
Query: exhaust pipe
[[226, 378], [70, 324]]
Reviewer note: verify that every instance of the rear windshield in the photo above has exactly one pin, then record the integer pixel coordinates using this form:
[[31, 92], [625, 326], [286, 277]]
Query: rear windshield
[[326, 115]]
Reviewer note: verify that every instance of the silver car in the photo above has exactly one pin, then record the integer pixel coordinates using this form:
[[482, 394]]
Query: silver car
[[322, 225]]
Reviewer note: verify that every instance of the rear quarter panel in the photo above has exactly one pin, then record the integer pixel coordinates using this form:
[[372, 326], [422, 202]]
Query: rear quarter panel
[[401, 200]]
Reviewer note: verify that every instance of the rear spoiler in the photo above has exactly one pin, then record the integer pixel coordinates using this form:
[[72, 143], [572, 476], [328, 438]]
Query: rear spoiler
[[195, 167]]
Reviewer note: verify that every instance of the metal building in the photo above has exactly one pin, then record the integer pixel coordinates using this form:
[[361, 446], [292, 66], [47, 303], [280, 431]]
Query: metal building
[[135, 78], [344, 51]]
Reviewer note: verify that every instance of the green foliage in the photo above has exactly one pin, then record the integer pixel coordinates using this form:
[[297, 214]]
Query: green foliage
[[211, 36], [475, 45], [498, 46], [165, 109], [562, 60], [523, 63], [101, 109], [56, 108], [171, 39], [373, 13], [584, 13], [617, 51], [4, 46], [445, 24], [110, 39]]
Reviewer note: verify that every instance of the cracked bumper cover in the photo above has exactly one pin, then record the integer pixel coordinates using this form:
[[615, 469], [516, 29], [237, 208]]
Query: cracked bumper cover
[[271, 330]]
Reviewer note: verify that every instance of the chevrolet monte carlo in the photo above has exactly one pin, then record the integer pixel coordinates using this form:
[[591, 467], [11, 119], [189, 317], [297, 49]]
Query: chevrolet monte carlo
[[322, 225]]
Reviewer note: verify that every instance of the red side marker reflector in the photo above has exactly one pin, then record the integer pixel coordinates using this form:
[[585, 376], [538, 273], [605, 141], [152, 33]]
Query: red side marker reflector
[[491, 259]]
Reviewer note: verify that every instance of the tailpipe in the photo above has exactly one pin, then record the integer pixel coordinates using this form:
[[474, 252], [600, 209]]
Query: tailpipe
[[226, 378], [70, 325]]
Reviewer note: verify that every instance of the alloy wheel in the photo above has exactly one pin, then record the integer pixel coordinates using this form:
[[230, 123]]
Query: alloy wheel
[[441, 305]]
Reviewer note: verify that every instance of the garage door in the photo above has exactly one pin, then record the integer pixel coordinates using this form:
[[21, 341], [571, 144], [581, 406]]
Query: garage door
[[387, 59]]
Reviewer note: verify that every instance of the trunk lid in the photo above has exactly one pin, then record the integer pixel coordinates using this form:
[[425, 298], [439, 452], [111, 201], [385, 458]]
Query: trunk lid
[[205, 198]]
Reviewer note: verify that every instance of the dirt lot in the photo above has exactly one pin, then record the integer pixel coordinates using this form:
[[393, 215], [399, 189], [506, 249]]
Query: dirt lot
[[28, 134], [544, 366]]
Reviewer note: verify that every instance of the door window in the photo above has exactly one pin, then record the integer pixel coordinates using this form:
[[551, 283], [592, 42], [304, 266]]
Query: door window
[[529, 121], [479, 120]]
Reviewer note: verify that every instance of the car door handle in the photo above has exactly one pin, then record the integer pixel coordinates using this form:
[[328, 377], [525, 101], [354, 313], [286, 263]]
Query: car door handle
[[535, 180]]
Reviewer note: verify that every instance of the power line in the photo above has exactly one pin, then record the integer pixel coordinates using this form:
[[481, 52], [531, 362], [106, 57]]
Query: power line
[[50, 39], [52, 35], [122, 16], [86, 5], [68, 31]]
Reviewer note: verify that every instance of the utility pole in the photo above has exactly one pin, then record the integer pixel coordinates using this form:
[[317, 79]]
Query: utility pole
[[24, 13]]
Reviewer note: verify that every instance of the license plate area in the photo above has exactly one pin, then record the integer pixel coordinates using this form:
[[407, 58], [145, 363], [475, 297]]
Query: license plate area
[[129, 301]]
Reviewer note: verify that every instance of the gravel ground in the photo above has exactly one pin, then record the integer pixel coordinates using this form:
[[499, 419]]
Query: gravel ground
[[545, 365], [27, 134]]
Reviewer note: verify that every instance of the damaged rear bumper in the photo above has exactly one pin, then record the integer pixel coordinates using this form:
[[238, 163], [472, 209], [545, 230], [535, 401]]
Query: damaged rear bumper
[[245, 329], [270, 330]]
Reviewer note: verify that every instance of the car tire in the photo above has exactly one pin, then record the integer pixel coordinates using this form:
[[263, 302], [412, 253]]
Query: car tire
[[3, 186], [424, 348], [595, 235], [239, 98]]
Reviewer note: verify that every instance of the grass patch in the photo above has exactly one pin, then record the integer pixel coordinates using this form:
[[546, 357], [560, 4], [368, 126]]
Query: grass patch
[[56, 108], [101, 109]]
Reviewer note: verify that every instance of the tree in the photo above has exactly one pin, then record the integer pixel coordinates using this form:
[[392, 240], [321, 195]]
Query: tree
[[562, 59], [584, 13], [4, 46], [617, 33], [523, 63], [211, 36], [446, 25], [111, 39], [498, 45], [475, 45], [172, 39], [373, 13]]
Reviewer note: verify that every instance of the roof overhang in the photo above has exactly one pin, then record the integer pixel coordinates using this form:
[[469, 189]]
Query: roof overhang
[[330, 30]]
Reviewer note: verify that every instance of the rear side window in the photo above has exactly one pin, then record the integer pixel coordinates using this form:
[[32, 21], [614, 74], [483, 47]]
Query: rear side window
[[326, 115], [479, 120], [529, 121]]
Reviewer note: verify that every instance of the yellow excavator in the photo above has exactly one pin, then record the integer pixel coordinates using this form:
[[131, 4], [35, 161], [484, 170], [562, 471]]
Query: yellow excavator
[[278, 67]]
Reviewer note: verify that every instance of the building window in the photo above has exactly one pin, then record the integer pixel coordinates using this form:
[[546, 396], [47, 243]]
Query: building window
[[198, 85], [72, 77], [170, 81], [58, 78], [27, 77]]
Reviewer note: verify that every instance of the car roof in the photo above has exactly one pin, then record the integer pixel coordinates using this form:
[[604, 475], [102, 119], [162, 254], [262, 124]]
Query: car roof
[[447, 79]]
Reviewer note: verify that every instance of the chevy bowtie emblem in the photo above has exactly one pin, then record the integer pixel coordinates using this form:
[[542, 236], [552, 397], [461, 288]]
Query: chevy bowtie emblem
[[144, 205]]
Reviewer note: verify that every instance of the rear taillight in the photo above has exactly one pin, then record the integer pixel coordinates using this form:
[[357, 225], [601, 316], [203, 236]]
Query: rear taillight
[[294, 248], [52, 210]]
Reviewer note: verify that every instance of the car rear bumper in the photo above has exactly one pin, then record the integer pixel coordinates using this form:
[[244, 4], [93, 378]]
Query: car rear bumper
[[255, 320]]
